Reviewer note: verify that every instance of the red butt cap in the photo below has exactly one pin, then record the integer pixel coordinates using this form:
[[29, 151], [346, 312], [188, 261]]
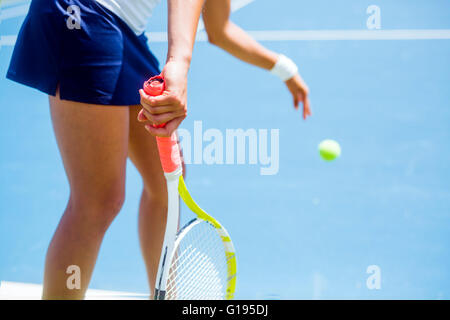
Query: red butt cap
[[154, 86]]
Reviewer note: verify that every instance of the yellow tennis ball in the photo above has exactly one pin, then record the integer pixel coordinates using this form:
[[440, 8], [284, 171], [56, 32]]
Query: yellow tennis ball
[[329, 150]]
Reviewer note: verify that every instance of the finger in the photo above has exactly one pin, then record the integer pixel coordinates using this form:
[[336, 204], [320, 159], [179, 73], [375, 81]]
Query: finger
[[306, 108], [141, 116], [165, 131], [145, 99], [296, 103], [150, 117], [165, 99], [147, 115], [157, 120], [163, 109], [164, 118], [158, 132]]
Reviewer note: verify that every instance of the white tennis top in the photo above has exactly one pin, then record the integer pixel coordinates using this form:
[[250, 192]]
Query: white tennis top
[[135, 13]]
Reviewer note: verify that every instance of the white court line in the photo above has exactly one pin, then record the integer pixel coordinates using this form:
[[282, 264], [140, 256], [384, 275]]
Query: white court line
[[13, 12], [29, 291], [329, 35], [11, 2], [318, 35], [308, 35], [7, 40], [270, 35]]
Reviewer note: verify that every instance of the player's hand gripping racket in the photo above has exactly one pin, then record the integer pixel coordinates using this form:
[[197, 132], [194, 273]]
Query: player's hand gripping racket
[[198, 261]]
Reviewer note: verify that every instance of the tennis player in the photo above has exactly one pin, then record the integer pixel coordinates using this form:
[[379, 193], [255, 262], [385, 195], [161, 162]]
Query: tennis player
[[91, 57]]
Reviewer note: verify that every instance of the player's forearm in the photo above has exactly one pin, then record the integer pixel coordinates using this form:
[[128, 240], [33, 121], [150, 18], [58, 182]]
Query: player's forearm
[[240, 44], [183, 16]]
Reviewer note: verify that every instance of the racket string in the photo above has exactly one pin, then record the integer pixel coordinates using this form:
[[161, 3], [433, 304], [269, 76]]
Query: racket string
[[199, 265]]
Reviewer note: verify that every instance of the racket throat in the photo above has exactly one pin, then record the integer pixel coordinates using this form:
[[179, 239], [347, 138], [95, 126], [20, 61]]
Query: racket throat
[[169, 236], [161, 271]]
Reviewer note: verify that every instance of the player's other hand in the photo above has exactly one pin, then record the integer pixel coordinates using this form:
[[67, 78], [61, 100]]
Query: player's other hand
[[170, 108], [300, 92]]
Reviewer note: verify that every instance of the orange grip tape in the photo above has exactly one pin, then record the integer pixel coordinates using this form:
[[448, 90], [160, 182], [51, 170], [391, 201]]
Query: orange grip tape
[[169, 151]]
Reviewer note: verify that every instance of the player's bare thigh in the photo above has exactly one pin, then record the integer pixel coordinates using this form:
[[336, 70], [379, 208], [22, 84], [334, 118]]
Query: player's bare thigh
[[93, 142]]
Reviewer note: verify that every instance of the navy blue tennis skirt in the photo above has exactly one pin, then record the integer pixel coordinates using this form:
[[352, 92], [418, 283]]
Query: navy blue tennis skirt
[[93, 56]]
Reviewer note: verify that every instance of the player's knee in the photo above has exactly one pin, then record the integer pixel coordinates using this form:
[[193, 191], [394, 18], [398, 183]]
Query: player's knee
[[100, 207], [112, 202], [157, 197]]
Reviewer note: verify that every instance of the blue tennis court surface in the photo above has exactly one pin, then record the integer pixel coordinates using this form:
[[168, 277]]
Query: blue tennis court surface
[[312, 230]]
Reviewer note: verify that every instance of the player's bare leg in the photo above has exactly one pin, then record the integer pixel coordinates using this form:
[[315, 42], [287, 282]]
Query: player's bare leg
[[143, 152], [93, 142]]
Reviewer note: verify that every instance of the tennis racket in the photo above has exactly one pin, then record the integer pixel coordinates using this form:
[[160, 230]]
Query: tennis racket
[[198, 261]]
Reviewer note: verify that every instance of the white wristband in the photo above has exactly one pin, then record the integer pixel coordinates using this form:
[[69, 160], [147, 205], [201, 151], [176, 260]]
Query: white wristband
[[285, 68]]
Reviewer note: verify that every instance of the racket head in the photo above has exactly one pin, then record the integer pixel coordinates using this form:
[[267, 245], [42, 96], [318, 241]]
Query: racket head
[[202, 264]]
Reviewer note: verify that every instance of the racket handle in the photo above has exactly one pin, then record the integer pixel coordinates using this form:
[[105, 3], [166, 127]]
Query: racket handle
[[169, 150]]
